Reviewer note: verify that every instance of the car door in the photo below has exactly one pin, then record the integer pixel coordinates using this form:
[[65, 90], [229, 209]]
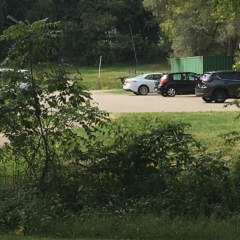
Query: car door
[[176, 82], [192, 80], [232, 81], [150, 82], [185, 88], [156, 78]]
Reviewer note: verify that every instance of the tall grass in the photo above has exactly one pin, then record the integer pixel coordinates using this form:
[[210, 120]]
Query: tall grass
[[141, 227]]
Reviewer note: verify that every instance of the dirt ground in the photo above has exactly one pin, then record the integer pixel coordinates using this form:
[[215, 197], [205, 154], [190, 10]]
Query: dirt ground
[[2, 140], [124, 103]]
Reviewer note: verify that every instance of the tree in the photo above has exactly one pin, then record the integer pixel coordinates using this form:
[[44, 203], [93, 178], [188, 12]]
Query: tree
[[40, 118], [199, 28], [141, 22], [92, 28], [229, 17]]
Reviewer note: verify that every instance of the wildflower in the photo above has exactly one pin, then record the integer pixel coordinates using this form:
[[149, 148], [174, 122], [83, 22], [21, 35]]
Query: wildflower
[[20, 231]]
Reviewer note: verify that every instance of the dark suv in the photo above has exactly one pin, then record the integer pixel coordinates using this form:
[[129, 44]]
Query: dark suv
[[177, 83], [218, 86]]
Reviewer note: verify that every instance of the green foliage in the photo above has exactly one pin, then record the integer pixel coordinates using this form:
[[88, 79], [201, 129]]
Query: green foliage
[[31, 43], [236, 66], [159, 161], [121, 172], [148, 226], [160, 28], [142, 154], [41, 114], [194, 28], [27, 211], [93, 28]]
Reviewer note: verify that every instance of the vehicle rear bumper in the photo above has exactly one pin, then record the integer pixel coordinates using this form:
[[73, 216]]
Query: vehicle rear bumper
[[199, 92], [161, 89], [202, 92], [130, 88]]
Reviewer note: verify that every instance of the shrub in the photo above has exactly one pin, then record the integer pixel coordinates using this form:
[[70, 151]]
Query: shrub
[[162, 163], [39, 119]]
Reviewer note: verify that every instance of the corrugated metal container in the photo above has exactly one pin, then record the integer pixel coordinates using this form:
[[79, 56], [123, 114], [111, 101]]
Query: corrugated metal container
[[201, 64]]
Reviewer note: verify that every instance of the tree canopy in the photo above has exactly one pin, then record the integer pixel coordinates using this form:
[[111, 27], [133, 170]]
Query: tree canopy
[[157, 28], [92, 28]]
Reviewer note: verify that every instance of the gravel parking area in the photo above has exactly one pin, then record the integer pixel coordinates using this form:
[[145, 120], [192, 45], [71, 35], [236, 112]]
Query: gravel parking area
[[129, 102]]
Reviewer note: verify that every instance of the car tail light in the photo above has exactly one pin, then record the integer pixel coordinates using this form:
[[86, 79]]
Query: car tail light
[[206, 78], [129, 81], [164, 79]]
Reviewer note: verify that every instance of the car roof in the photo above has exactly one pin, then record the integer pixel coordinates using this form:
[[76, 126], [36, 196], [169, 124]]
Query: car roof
[[145, 74], [180, 72], [221, 71], [152, 73]]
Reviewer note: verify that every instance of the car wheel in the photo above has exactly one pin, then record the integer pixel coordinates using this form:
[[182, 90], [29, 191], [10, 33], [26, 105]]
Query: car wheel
[[207, 100], [171, 92], [220, 96], [164, 94], [143, 90]]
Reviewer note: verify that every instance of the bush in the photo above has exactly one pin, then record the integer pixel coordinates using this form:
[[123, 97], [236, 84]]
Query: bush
[[151, 167], [161, 163], [28, 211]]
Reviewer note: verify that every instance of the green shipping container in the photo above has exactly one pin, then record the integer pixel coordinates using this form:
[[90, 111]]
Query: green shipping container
[[201, 64]]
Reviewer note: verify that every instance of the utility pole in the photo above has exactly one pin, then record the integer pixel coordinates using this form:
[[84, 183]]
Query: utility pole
[[99, 71], [134, 49]]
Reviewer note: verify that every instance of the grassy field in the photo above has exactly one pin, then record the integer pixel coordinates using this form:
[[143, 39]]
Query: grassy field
[[109, 77], [147, 228], [207, 127]]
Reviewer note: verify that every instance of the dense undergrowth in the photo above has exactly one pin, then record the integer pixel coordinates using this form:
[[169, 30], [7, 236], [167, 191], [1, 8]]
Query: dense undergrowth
[[155, 169]]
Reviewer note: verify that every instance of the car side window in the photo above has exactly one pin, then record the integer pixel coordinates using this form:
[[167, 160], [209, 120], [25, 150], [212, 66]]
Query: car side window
[[192, 77], [157, 76], [176, 77], [149, 77], [184, 76], [216, 76], [226, 75]]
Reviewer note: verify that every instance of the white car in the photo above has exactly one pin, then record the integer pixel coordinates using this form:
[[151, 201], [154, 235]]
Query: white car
[[142, 84]]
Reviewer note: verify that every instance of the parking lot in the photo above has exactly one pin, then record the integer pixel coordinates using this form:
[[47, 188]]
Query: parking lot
[[128, 102], [123, 103]]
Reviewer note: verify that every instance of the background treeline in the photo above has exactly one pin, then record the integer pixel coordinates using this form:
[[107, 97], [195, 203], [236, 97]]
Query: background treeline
[[156, 29], [93, 28], [203, 27]]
